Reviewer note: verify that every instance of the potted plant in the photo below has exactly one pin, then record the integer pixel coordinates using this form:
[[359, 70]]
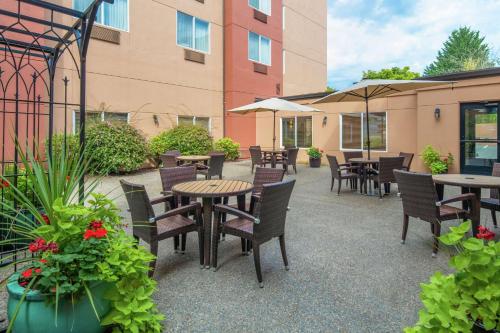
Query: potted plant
[[467, 300], [433, 161], [315, 155], [84, 272]]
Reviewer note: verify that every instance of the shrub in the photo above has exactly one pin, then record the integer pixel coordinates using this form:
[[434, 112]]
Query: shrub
[[314, 152], [115, 147], [188, 139], [230, 148], [72, 144], [432, 160]]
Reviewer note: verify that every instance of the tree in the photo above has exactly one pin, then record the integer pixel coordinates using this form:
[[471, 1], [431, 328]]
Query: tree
[[330, 89], [394, 73], [465, 50]]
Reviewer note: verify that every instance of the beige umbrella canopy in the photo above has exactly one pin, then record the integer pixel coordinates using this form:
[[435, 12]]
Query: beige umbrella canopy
[[371, 89], [273, 105]]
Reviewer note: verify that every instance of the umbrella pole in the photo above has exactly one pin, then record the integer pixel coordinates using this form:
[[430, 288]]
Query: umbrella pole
[[274, 129], [367, 124]]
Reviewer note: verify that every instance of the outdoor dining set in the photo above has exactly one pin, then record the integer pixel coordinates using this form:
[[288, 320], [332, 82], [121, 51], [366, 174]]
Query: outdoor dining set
[[254, 221]]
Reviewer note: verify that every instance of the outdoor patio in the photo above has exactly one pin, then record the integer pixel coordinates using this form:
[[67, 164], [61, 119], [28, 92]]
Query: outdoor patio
[[348, 270]]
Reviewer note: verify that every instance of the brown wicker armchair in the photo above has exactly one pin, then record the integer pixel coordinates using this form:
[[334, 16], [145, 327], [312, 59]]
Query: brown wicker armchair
[[169, 160], [385, 172], [341, 172], [420, 200], [267, 222], [257, 158], [153, 228], [493, 203], [407, 161], [215, 166], [290, 159]]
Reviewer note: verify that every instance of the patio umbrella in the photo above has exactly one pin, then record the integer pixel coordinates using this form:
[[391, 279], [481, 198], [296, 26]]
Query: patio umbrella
[[371, 89], [273, 105]]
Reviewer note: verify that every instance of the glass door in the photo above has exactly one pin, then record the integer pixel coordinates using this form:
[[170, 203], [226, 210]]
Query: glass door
[[479, 137]]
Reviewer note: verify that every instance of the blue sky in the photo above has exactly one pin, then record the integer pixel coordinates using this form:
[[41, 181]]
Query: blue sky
[[375, 34]]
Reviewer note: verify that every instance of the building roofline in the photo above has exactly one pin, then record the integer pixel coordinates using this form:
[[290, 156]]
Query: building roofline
[[316, 95], [476, 74]]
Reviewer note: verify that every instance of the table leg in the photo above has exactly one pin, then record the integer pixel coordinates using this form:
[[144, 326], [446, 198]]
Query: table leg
[[475, 209], [440, 191], [273, 160], [207, 228]]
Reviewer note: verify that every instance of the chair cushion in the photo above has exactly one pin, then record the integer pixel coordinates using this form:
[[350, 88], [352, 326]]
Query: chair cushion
[[490, 203], [173, 223], [347, 174], [238, 226], [450, 212]]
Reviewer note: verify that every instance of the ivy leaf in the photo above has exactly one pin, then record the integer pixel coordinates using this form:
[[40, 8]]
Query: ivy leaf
[[473, 244]]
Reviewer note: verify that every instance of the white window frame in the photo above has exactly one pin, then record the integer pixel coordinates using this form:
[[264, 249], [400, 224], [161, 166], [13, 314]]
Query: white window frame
[[194, 121], [193, 33], [363, 115], [73, 118], [295, 129], [270, 49], [109, 26], [260, 10]]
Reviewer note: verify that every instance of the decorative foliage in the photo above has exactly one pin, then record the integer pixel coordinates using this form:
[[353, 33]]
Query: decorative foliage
[[455, 302], [230, 148], [115, 147], [394, 73], [314, 152], [465, 50], [432, 160], [188, 139]]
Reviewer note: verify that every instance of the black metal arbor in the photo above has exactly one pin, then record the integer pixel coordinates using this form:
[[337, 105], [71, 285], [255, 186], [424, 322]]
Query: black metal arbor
[[34, 36]]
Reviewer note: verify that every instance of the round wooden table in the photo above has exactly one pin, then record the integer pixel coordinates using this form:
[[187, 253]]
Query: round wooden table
[[363, 163], [209, 190], [469, 184], [274, 154], [193, 159]]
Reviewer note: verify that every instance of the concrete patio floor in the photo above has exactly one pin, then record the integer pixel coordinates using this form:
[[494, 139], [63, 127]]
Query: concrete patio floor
[[348, 270]]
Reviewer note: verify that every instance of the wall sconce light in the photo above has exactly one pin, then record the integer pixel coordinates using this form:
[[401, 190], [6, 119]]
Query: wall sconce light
[[156, 120], [325, 120], [437, 113]]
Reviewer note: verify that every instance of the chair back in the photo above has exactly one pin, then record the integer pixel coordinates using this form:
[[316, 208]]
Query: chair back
[[176, 175], [216, 163], [407, 161], [496, 173], [291, 155], [168, 160], [386, 168], [418, 193], [255, 154], [271, 210], [352, 154], [334, 166], [266, 176], [173, 152], [141, 210]]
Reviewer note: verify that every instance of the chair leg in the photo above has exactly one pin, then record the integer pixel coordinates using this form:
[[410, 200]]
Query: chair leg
[[244, 246], [437, 233], [154, 251], [252, 167], [201, 247], [183, 243], [380, 191], [340, 185], [215, 246], [295, 168], [333, 181], [256, 259], [176, 244], [406, 219], [283, 251], [494, 218]]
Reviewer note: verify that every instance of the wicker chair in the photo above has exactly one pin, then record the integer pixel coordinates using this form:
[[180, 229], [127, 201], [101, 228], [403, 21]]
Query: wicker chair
[[176, 175], [493, 203], [385, 172], [267, 222], [290, 159], [407, 161], [214, 167], [152, 229], [420, 200], [169, 160], [341, 172], [352, 154], [257, 159]]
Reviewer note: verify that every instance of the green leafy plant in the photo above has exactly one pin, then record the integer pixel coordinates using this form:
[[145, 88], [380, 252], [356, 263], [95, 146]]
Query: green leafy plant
[[433, 161], [471, 295], [314, 152], [188, 139], [115, 147], [394, 73], [69, 142], [230, 148], [73, 245]]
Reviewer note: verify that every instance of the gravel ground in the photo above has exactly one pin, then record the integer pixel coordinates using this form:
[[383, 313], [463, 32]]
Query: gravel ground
[[348, 270]]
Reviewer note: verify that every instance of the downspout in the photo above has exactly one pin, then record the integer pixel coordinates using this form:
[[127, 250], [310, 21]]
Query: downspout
[[223, 68]]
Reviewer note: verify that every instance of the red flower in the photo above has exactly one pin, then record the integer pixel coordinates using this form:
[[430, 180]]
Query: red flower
[[27, 273], [23, 284], [45, 218], [100, 233], [485, 233], [52, 247], [88, 234], [4, 183], [38, 245], [38, 270], [68, 178], [96, 224], [43, 261]]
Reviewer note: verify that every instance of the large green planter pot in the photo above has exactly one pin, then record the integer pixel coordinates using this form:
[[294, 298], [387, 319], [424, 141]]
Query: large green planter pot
[[36, 315]]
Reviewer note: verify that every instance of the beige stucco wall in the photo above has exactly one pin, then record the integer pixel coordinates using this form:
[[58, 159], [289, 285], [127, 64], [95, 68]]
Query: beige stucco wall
[[411, 124], [305, 46]]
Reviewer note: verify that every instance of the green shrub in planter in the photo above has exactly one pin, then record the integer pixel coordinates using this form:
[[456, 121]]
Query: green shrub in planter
[[115, 147], [432, 160], [230, 148], [188, 139]]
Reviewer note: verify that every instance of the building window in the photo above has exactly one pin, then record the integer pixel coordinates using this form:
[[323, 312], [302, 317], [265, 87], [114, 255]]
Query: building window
[[113, 15], [193, 33], [296, 132], [92, 117], [261, 5], [353, 131], [191, 120], [259, 48]]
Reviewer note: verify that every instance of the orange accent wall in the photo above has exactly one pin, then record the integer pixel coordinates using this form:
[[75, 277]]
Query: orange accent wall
[[242, 84]]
